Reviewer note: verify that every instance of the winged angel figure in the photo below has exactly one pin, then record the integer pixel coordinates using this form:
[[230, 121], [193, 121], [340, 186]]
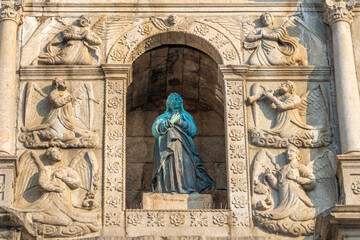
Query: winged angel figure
[[78, 44], [289, 127], [66, 204], [170, 23], [68, 117], [287, 198]]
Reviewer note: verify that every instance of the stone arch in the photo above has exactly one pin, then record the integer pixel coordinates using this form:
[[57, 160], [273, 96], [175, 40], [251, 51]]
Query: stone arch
[[188, 32]]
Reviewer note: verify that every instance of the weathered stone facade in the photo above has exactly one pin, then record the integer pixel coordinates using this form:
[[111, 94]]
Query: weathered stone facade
[[275, 97]]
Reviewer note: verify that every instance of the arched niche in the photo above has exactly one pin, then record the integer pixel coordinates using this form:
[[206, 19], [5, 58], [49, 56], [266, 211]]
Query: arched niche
[[194, 75]]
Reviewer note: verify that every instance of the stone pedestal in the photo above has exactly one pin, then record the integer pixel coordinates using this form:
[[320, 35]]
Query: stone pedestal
[[348, 173], [167, 201], [7, 176]]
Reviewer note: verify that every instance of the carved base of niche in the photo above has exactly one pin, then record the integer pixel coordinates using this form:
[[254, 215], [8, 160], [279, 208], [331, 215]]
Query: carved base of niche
[[168, 201]]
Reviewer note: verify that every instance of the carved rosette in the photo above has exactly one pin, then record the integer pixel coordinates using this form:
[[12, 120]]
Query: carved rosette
[[10, 12], [114, 153], [338, 11], [236, 137]]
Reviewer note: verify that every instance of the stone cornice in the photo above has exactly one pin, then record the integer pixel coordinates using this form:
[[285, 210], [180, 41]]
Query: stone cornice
[[10, 11], [338, 10]]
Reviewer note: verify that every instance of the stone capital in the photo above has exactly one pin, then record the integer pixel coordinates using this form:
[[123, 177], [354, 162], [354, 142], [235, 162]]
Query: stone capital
[[338, 10], [10, 11]]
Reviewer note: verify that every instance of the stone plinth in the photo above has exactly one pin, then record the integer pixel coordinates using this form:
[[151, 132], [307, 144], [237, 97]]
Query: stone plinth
[[348, 173], [167, 201]]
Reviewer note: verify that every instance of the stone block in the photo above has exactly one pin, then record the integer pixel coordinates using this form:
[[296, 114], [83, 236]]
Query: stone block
[[212, 149], [220, 176], [134, 173], [7, 175], [140, 149], [167, 201]]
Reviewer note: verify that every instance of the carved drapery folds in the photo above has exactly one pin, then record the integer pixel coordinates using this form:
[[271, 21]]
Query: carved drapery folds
[[63, 113], [338, 11], [272, 45]]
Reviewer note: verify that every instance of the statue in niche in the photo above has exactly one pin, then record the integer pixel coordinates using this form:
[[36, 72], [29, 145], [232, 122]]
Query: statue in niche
[[273, 45], [66, 206], [290, 194], [75, 45], [178, 167], [289, 127], [58, 128]]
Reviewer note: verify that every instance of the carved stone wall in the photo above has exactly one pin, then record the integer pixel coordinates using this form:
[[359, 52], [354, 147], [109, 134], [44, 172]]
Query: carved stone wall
[[92, 77]]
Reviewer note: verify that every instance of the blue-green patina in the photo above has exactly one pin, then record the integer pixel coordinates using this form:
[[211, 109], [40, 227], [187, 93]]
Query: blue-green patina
[[178, 167]]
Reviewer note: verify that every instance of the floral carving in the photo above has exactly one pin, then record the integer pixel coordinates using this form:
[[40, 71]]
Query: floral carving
[[235, 119], [240, 219], [129, 42], [2, 187], [145, 30], [114, 87], [237, 151], [114, 151], [114, 167], [112, 219], [240, 202], [117, 55], [114, 184], [156, 219], [229, 54], [201, 29], [199, 219], [177, 219], [220, 219], [114, 102], [114, 135], [238, 185], [134, 219], [114, 118], [237, 167], [236, 135], [113, 201], [355, 186], [235, 88], [219, 40], [235, 104]]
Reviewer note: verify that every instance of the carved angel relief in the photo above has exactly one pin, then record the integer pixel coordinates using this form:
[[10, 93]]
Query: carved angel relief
[[173, 22], [288, 198], [291, 109], [58, 199], [68, 118], [272, 45]]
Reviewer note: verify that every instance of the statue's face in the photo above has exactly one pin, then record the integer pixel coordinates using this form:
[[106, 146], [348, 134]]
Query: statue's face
[[172, 19], [62, 85], [266, 19], [84, 22], [55, 155], [291, 153], [175, 104]]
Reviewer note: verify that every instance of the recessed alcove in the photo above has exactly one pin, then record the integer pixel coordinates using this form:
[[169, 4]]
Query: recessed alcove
[[194, 75]]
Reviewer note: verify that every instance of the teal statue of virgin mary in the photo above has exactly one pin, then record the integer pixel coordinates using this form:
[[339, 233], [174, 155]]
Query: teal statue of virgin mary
[[178, 167]]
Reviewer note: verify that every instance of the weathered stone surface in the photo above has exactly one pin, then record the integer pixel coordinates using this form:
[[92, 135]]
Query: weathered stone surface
[[168, 201]]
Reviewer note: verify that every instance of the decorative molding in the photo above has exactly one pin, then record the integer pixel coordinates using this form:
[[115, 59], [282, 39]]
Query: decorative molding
[[338, 10], [11, 11]]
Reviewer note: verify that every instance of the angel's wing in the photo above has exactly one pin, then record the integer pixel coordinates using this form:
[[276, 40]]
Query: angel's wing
[[85, 164], [28, 174], [247, 27], [37, 105], [230, 24], [108, 27], [315, 103], [159, 23], [84, 105], [325, 193], [263, 160]]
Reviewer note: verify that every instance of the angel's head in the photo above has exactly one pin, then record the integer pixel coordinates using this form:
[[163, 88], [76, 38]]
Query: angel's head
[[53, 154], [287, 87], [267, 19], [172, 19], [84, 21], [174, 102], [292, 153], [59, 83]]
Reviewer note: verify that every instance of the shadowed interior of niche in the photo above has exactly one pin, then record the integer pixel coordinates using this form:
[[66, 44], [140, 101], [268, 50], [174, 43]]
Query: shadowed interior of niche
[[194, 75]]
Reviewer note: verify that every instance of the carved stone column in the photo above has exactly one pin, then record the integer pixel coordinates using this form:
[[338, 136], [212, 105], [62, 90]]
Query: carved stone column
[[9, 22], [339, 15], [236, 156], [116, 77]]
